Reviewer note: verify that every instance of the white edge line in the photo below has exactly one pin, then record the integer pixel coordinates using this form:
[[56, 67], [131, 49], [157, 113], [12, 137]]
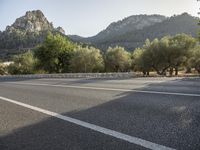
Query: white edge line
[[109, 89], [118, 135]]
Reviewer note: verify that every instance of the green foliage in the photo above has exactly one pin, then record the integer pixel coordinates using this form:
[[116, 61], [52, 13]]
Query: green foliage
[[160, 55], [117, 60], [19, 39], [199, 34], [194, 60], [140, 61], [59, 55], [22, 64], [87, 59], [3, 69], [54, 54], [180, 46]]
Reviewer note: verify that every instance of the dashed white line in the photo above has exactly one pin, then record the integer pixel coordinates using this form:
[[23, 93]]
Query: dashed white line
[[115, 134], [108, 89]]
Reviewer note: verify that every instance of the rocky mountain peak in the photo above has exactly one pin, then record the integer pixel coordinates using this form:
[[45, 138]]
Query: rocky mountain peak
[[136, 22], [129, 24], [32, 21], [60, 29]]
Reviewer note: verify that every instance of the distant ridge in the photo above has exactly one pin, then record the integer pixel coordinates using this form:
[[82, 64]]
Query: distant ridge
[[132, 31]]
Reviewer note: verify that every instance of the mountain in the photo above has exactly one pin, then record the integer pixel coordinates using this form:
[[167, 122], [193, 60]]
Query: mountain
[[30, 30], [131, 32], [33, 21], [25, 33], [129, 24]]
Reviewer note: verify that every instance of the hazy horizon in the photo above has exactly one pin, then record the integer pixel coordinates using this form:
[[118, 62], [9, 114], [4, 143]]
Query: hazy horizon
[[87, 18]]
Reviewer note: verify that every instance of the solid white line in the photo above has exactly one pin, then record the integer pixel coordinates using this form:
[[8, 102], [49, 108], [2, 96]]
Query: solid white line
[[118, 135], [108, 89]]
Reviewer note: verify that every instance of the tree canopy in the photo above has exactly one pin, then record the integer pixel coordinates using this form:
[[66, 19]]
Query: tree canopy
[[22, 64], [87, 59], [117, 59], [55, 53], [168, 52]]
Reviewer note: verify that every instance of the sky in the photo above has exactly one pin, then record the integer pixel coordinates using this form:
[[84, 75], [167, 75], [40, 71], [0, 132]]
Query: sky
[[88, 17]]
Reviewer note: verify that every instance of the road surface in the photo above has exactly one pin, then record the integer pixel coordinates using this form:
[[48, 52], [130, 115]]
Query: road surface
[[89, 114]]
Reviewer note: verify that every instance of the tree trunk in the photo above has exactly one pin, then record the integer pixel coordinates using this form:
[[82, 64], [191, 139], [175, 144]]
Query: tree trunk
[[163, 72], [157, 71], [198, 69], [188, 70], [171, 70], [85, 68], [144, 73], [176, 71]]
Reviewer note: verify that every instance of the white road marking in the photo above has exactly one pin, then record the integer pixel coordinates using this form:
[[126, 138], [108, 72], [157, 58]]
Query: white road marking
[[107, 89], [118, 135]]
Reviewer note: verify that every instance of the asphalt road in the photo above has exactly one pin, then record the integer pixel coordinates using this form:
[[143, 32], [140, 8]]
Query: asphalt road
[[89, 114]]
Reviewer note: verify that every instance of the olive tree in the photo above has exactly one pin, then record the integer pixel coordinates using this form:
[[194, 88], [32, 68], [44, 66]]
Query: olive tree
[[117, 59], [179, 50], [22, 64], [168, 53], [155, 55], [194, 60], [54, 54], [87, 59], [140, 61]]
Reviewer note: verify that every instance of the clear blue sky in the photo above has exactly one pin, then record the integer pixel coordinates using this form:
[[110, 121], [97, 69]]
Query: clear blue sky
[[88, 17]]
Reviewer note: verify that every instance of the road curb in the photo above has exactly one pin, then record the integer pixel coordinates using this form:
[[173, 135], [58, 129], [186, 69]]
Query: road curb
[[124, 75]]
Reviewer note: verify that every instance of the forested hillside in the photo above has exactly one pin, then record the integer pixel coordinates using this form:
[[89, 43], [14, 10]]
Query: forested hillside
[[133, 35]]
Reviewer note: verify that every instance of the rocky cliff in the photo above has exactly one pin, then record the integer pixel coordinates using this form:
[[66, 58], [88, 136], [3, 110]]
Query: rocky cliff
[[25, 33], [33, 21]]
